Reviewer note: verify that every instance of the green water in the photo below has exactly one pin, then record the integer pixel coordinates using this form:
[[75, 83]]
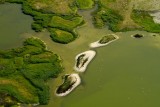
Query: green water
[[125, 73], [13, 24]]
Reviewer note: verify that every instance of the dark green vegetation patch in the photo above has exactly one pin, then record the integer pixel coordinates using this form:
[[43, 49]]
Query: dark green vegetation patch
[[67, 85], [106, 39], [24, 72], [106, 16], [62, 36]]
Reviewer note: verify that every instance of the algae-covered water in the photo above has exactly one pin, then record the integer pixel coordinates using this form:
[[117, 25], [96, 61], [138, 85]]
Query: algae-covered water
[[125, 73]]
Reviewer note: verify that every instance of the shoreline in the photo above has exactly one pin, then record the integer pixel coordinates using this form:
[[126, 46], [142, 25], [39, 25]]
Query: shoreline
[[97, 44], [87, 54], [77, 80]]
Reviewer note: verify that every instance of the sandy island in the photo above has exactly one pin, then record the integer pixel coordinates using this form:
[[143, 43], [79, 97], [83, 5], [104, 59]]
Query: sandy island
[[83, 59], [75, 79], [97, 44]]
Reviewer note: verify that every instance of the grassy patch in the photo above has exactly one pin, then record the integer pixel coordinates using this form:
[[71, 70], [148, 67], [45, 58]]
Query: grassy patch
[[106, 39], [106, 16], [23, 91], [61, 36], [85, 4], [59, 22], [112, 19], [146, 22], [67, 84], [98, 22], [54, 6], [24, 71]]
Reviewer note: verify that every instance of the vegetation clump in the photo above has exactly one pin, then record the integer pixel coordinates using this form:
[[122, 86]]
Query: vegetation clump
[[143, 19], [24, 72], [62, 23], [106, 16], [67, 84], [80, 60], [83, 59], [106, 39], [62, 36], [70, 82], [7, 100], [84, 4]]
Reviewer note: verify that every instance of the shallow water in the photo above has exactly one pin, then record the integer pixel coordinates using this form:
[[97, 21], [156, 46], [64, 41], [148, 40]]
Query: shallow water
[[13, 24], [124, 73]]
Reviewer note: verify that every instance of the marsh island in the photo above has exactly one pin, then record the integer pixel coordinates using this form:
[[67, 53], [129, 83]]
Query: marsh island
[[105, 40], [70, 82], [83, 59]]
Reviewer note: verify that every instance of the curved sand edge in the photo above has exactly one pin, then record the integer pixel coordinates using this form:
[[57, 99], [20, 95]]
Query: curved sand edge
[[97, 44], [78, 81], [88, 54]]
